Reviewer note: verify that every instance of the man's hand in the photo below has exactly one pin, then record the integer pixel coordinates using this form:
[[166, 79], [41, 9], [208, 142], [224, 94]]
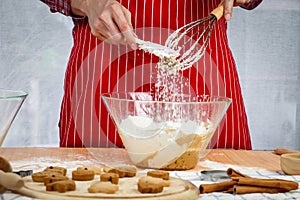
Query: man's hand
[[228, 6], [108, 19]]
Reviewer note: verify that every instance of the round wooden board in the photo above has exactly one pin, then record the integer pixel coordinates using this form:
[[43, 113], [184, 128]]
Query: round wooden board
[[178, 189]]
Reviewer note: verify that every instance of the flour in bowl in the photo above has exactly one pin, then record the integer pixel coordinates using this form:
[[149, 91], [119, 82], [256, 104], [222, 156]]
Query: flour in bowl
[[160, 144]]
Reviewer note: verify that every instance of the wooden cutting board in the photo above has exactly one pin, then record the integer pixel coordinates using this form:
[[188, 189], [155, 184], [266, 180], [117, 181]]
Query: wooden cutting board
[[178, 189]]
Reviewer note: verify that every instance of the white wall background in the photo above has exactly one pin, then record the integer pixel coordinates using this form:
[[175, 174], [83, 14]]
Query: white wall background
[[35, 46]]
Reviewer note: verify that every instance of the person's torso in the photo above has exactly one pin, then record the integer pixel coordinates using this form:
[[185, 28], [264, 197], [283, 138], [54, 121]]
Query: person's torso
[[96, 67]]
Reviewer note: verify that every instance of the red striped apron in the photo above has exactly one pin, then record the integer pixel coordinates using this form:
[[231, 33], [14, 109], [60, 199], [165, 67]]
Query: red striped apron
[[96, 67]]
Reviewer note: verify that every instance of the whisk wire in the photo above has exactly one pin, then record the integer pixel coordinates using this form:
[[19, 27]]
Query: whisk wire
[[175, 37], [195, 43], [192, 39]]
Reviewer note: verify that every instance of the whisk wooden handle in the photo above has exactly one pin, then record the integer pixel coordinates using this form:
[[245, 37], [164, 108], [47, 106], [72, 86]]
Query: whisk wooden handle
[[218, 12]]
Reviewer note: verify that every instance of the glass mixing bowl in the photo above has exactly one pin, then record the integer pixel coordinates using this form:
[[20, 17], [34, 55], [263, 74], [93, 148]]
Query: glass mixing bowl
[[164, 134], [10, 103]]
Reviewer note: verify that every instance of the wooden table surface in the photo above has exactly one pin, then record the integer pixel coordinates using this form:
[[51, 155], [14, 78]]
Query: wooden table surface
[[262, 159]]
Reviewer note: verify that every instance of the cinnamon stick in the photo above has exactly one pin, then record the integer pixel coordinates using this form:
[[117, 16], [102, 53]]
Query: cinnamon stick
[[243, 184], [245, 189], [216, 187], [234, 173], [270, 183]]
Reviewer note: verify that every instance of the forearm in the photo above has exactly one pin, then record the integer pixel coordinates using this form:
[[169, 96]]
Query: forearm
[[78, 7], [252, 4], [61, 6], [72, 8]]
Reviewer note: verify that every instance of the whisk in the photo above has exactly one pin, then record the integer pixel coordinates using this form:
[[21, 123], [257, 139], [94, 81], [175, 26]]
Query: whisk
[[192, 39]]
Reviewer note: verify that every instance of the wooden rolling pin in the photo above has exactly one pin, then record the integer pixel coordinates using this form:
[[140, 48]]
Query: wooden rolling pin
[[280, 151], [8, 180]]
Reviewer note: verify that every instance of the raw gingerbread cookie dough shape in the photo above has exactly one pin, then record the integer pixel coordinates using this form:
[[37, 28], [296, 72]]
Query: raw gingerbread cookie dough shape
[[178, 189]]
